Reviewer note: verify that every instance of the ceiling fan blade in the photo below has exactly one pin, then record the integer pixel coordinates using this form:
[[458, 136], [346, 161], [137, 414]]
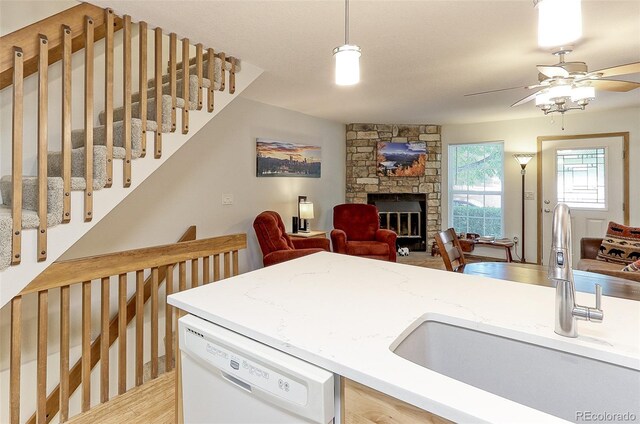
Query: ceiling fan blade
[[615, 85], [493, 91], [552, 70], [629, 68], [525, 100]]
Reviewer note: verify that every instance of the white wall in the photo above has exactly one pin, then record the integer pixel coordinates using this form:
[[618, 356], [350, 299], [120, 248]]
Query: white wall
[[221, 158], [521, 136]]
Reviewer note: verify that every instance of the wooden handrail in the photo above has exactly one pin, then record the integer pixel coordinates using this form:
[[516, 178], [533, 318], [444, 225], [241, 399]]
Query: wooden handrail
[[94, 267], [74, 377], [26, 38]]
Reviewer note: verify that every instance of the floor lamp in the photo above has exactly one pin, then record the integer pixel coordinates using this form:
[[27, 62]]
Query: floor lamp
[[523, 159]]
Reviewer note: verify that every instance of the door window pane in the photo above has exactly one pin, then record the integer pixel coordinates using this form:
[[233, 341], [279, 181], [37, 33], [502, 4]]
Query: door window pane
[[581, 177]]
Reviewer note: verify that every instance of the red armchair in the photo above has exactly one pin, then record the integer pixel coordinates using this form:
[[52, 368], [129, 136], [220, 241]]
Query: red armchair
[[277, 246], [357, 232]]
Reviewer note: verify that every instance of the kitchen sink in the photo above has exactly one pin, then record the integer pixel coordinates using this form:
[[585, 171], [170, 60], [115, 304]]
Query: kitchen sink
[[562, 384]]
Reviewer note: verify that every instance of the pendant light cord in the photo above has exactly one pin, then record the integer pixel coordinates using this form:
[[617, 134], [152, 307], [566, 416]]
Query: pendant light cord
[[346, 22]]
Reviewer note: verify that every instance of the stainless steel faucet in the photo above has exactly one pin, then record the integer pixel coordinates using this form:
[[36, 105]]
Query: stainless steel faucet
[[560, 270]]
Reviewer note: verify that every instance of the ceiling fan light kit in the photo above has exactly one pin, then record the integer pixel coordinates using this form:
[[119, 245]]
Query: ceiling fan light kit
[[347, 56], [559, 22], [556, 98]]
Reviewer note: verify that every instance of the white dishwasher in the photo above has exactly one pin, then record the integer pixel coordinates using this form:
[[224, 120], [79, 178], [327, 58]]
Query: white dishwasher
[[231, 379]]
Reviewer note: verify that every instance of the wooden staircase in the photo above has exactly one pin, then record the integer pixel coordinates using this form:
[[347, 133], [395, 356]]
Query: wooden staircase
[[83, 287], [70, 186]]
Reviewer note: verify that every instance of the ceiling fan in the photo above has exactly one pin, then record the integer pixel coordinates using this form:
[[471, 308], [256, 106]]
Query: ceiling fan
[[569, 85]]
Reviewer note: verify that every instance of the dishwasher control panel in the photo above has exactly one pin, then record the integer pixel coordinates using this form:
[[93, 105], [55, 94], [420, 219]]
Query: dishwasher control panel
[[243, 368]]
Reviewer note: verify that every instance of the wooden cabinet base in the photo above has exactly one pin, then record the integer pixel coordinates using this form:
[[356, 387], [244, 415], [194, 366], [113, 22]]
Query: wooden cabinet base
[[363, 405]]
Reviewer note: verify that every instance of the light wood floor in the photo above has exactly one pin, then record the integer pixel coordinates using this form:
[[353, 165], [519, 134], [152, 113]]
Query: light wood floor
[[153, 402]]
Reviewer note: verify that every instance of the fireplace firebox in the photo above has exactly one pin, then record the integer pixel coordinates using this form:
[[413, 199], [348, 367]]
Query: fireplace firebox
[[405, 214]]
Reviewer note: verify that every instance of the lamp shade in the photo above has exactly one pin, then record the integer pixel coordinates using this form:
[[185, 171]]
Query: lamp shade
[[523, 158], [347, 64], [559, 93], [543, 98], [559, 22], [583, 93], [306, 210]]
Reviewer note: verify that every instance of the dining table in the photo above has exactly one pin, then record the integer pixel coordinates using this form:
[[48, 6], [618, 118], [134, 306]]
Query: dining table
[[537, 274]]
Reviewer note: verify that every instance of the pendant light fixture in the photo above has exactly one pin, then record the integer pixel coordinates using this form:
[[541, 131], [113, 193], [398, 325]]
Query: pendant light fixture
[[347, 56], [559, 22]]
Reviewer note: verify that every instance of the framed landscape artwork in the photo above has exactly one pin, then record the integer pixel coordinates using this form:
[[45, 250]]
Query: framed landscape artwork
[[284, 159], [401, 159]]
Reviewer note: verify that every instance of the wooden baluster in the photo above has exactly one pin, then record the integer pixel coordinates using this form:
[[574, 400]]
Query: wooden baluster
[[182, 276], [41, 379], [43, 149], [206, 270], [86, 345], [223, 68], [185, 85], [88, 119], [108, 92], [139, 327], [143, 80], [168, 323], [234, 258], [122, 333], [126, 77], [199, 73], [182, 285], [211, 60], [157, 148], [15, 360], [16, 154], [227, 264], [104, 339], [232, 76], [173, 84], [154, 322], [194, 272], [66, 123], [216, 267], [64, 353]]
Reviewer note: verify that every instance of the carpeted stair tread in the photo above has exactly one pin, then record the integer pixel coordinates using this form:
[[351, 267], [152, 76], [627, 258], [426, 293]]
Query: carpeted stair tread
[[30, 220], [119, 152], [77, 136], [217, 75], [54, 167], [193, 92], [118, 114], [30, 194]]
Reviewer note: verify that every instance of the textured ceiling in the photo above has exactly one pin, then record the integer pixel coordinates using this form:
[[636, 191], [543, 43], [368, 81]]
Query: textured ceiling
[[418, 57]]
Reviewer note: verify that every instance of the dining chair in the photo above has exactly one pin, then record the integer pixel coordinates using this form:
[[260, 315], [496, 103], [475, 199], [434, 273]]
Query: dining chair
[[450, 250]]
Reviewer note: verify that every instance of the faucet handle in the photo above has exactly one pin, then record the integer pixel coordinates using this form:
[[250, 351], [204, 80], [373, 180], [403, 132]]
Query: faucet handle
[[598, 297]]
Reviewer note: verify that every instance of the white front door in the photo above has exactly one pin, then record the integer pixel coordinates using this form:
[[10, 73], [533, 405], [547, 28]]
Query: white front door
[[586, 174]]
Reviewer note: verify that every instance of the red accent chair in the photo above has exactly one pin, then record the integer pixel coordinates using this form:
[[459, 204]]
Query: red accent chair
[[277, 246], [357, 232]]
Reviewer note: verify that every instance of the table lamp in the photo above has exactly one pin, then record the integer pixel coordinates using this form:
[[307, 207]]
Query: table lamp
[[305, 212]]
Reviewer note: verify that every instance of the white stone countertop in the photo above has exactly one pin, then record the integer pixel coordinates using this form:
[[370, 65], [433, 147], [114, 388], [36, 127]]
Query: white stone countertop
[[343, 313]]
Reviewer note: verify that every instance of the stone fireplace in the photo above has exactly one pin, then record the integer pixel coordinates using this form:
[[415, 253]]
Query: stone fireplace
[[364, 185]]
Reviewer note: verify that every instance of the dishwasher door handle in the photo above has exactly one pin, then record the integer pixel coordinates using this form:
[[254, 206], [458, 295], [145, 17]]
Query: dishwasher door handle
[[233, 380]]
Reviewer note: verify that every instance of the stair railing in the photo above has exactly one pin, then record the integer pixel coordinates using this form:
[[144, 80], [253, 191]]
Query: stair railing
[[209, 260], [34, 48]]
